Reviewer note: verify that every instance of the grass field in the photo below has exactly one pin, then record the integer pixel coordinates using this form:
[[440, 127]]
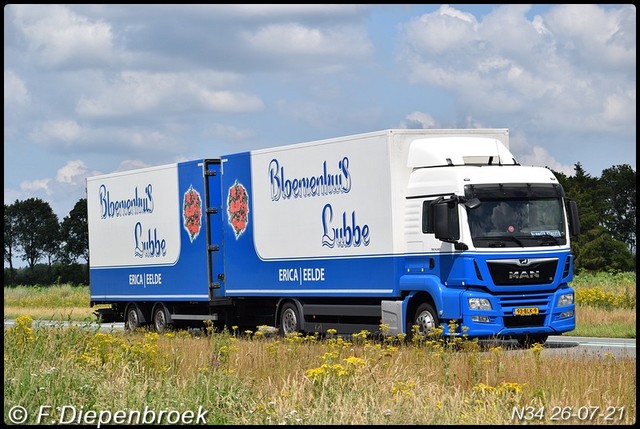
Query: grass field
[[240, 378], [75, 375]]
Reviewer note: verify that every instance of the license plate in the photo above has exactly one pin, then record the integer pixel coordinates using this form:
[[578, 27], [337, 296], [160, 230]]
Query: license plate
[[527, 311]]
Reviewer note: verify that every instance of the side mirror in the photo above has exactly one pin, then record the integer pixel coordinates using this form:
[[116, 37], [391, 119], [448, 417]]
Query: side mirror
[[446, 222], [573, 218], [441, 225]]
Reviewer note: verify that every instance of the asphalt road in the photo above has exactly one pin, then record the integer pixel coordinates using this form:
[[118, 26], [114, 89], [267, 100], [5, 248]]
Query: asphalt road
[[617, 347], [596, 347]]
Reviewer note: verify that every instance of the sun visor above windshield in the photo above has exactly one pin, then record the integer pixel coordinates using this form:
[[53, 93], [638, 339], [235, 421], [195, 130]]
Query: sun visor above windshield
[[442, 151]]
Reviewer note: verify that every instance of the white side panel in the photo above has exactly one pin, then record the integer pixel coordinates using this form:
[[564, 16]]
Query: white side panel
[[323, 199], [134, 218]]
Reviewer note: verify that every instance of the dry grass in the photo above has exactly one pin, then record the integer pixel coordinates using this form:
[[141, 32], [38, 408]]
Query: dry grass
[[611, 317], [48, 313], [596, 322], [300, 380]]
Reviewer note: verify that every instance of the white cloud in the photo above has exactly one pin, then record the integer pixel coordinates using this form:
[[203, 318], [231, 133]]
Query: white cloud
[[418, 120], [70, 176], [55, 35], [11, 195], [596, 36], [15, 90], [529, 154], [229, 132], [131, 164], [440, 31], [616, 107], [37, 185], [229, 101], [538, 25], [148, 139], [62, 192], [329, 117], [278, 11], [134, 92], [540, 157], [71, 172], [532, 73], [293, 39], [68, 137], [67, 132], [289, 38], [509, 33]]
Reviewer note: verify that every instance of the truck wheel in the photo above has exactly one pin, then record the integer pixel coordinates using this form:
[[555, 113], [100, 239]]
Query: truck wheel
[[529, 340], [132, 318], [160, 319], [426, 319], [289, 319]]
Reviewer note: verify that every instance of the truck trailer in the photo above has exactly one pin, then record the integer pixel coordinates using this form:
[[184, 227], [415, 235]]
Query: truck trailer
[[399, 228]]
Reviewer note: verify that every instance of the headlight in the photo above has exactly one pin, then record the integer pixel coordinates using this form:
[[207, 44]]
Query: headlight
[[565, 299], [479, 304]]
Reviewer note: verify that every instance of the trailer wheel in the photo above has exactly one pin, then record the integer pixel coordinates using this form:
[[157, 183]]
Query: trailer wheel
[[289, 319], [529, 340], [426, 318], [160, 319], [132, 318]]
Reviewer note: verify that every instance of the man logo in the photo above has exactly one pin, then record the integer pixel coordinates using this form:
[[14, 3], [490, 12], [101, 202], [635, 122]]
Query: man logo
[[524, 275]]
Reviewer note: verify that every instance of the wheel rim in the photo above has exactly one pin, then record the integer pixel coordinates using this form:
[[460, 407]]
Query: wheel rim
[[289, 321], [132, 318], [426, 322], [160, 320]]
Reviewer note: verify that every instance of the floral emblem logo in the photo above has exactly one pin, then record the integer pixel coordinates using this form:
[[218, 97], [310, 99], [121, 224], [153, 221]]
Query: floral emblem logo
[[192, 212], [238, 208]]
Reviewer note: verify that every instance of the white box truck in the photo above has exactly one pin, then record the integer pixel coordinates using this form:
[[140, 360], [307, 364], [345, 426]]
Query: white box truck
[[399, 227]]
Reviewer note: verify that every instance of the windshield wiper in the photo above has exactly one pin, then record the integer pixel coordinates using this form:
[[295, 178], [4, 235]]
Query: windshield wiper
[[500, 241], [547, 240]]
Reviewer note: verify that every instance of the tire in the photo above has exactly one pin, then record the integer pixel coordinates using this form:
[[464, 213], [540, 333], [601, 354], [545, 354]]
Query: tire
[[426, 318], [289, 319], [132, 318], [529, 340], [160, 319]]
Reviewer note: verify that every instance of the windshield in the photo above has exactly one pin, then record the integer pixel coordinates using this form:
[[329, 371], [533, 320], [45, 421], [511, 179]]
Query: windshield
[[522, 216]]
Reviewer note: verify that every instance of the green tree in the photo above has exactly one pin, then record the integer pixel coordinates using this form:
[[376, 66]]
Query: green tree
[[74, 232], [599, 251], [51, 247], [597, 247], [10, 244], [620, 211], [589, 194], [37, 230]]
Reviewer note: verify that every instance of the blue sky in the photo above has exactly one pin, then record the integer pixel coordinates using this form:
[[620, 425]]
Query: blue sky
[[92, 89]]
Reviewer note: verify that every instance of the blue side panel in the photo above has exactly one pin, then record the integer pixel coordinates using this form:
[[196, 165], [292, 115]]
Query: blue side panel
[[248, 275], [184, 280]]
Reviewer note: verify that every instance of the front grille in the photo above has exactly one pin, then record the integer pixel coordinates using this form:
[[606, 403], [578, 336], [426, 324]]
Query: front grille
[[509, 302], [513, 272]]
